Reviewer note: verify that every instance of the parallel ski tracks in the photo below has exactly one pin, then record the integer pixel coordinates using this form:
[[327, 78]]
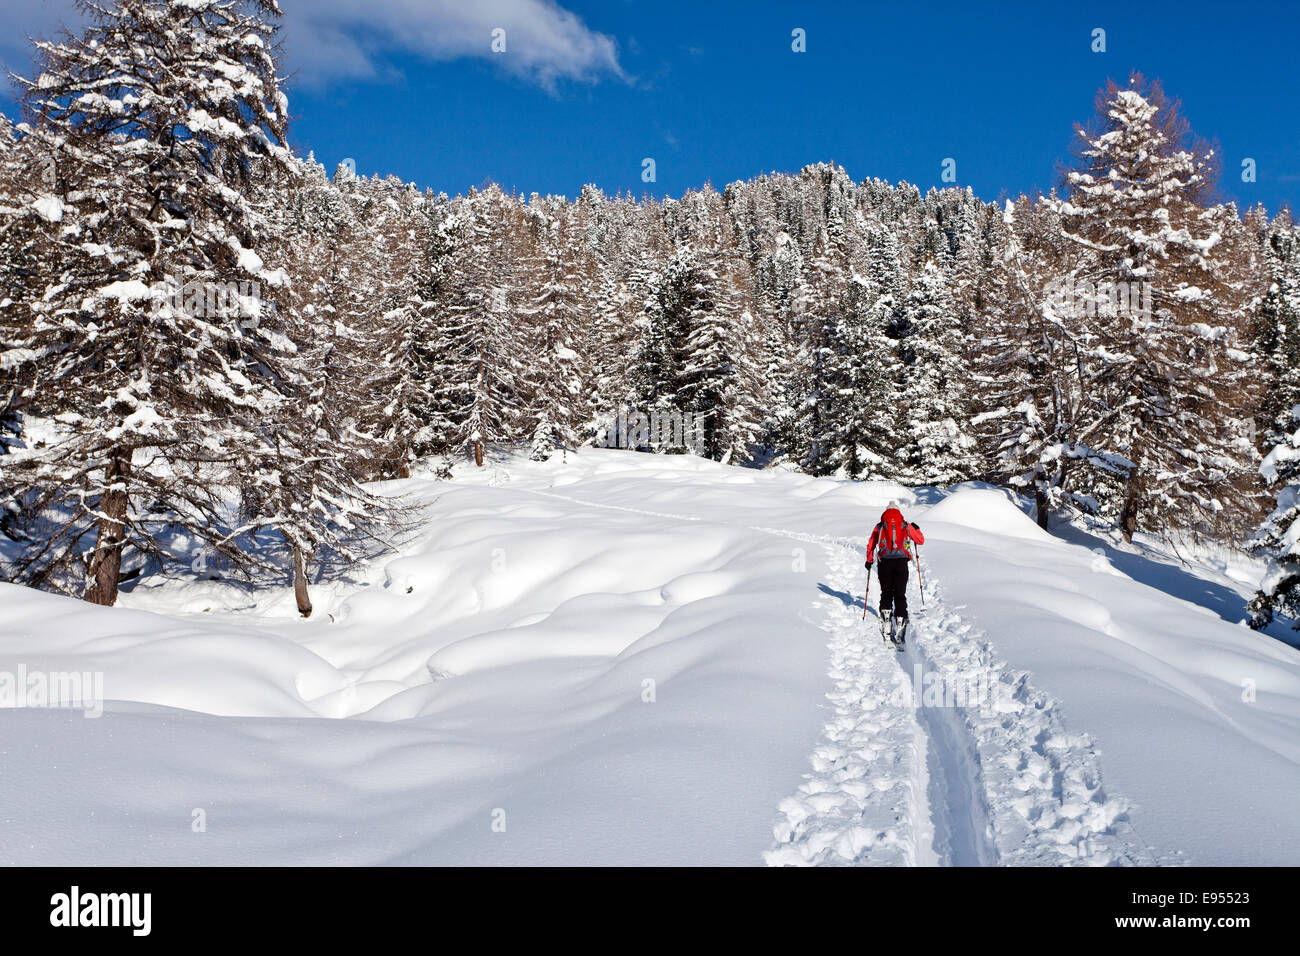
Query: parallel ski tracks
[[898, 779]]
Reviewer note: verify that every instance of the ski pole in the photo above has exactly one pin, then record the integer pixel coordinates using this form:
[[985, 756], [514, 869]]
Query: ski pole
[[866, 594], [920, 581]]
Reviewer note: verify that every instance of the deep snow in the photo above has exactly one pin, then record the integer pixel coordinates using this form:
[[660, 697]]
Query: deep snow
[[622, 658]]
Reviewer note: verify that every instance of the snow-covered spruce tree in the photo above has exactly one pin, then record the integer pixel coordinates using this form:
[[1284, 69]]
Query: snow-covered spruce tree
[[971, 257], [452, 346], [1278, 329], [862, 414], [721, 379], [790, 353], [775, 364], [708, 360], [170, 370], [748, 393], [1278, 342], [1171, 387], [700, 346], [18, 269], [480, 348], [883, 288], [631, 254], [397, 270], [885, 276], [937, 448], [787, 267], [678, 292], [608, 364], [818, 303], [1279, 538], [417, 354], [557, 317], [814, 303], [984, 295], [852, 417]]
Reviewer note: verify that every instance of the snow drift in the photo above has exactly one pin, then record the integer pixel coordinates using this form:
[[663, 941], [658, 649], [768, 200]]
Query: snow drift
[[620, 658]]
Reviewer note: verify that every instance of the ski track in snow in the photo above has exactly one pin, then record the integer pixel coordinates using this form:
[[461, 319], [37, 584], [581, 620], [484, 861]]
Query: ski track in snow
[[994, 779], [865, 802], [1037, 788]]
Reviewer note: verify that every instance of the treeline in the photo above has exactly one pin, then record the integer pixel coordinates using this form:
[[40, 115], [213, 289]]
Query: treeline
[[1127, 347]]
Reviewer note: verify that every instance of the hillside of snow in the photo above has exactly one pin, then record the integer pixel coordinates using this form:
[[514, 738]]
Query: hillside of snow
[[618, 658]]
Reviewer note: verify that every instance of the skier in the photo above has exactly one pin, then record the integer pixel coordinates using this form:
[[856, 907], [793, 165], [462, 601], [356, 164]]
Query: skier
[[891, 543]]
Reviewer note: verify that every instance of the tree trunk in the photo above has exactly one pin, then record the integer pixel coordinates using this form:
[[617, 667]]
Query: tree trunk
[[478, 453], [106, 562], [1041, 507], [1128, 514], [300, 581]]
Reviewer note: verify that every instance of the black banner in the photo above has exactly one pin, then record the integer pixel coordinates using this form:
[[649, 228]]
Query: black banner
[[136, 905]]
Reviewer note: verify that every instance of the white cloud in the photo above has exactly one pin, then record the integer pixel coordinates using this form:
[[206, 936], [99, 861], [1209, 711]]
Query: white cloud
[[329, 40]]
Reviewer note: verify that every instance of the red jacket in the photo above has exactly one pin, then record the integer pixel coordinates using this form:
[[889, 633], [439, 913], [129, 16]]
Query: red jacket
[[903, 536]]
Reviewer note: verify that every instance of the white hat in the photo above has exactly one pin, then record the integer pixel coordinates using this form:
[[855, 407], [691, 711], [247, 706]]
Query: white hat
[[893, 504]]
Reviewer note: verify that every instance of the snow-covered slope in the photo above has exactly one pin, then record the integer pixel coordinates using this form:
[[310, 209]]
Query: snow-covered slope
[[623, 658]]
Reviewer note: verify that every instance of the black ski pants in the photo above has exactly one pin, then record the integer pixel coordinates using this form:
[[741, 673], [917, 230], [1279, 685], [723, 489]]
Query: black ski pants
[[893, 585]]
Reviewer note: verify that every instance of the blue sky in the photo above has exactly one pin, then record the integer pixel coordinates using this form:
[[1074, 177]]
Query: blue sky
[[712, 91]]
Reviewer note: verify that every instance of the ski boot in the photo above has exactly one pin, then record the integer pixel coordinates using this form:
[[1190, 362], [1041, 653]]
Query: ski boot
[[900, 636]]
